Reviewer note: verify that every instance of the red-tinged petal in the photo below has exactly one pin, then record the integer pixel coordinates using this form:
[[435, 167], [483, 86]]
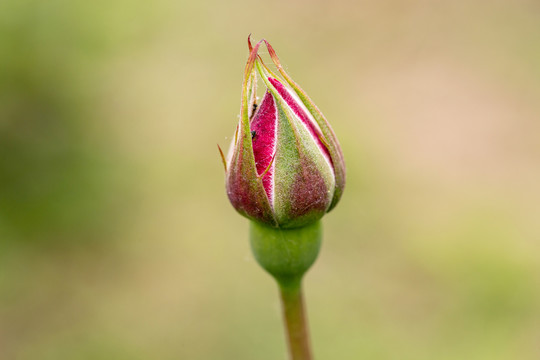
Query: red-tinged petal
[[263, 132]]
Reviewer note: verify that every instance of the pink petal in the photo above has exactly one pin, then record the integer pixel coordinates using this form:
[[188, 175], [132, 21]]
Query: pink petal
[[263, 129]]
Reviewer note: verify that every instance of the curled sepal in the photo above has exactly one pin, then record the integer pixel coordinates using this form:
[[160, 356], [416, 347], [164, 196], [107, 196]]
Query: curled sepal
[[244, 187]]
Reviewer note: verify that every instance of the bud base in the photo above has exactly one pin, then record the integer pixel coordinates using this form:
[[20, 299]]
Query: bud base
[[286, 253]]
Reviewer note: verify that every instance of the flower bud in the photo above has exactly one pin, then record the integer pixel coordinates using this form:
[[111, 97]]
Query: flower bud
[[285, 167]]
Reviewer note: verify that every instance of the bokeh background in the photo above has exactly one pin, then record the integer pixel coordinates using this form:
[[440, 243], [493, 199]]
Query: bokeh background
[[117, 240]]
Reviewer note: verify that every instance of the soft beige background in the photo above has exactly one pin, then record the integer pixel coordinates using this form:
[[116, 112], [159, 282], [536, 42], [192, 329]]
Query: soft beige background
[[117, 240]]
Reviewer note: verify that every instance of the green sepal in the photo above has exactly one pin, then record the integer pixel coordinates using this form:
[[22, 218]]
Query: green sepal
[[297, 156], [330, 138]]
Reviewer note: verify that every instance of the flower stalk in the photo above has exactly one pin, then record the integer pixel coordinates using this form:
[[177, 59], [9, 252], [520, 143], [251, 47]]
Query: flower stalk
[[287, 254], [294, 315], [284, 172]]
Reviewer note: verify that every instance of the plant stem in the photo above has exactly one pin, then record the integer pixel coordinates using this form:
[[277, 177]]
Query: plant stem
[[294, 315], [287, 254]]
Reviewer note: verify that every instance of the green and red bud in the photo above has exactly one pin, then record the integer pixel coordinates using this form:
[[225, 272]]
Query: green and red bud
[[285, 168]]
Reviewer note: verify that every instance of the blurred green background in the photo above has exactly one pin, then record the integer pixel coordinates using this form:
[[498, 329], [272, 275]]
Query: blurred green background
[[117, 240]]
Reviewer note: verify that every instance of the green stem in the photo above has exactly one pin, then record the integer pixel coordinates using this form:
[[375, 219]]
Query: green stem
[[294, 315], [287, 254]]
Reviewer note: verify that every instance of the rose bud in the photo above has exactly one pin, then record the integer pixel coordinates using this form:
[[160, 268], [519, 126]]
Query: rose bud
[[285, 167]]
